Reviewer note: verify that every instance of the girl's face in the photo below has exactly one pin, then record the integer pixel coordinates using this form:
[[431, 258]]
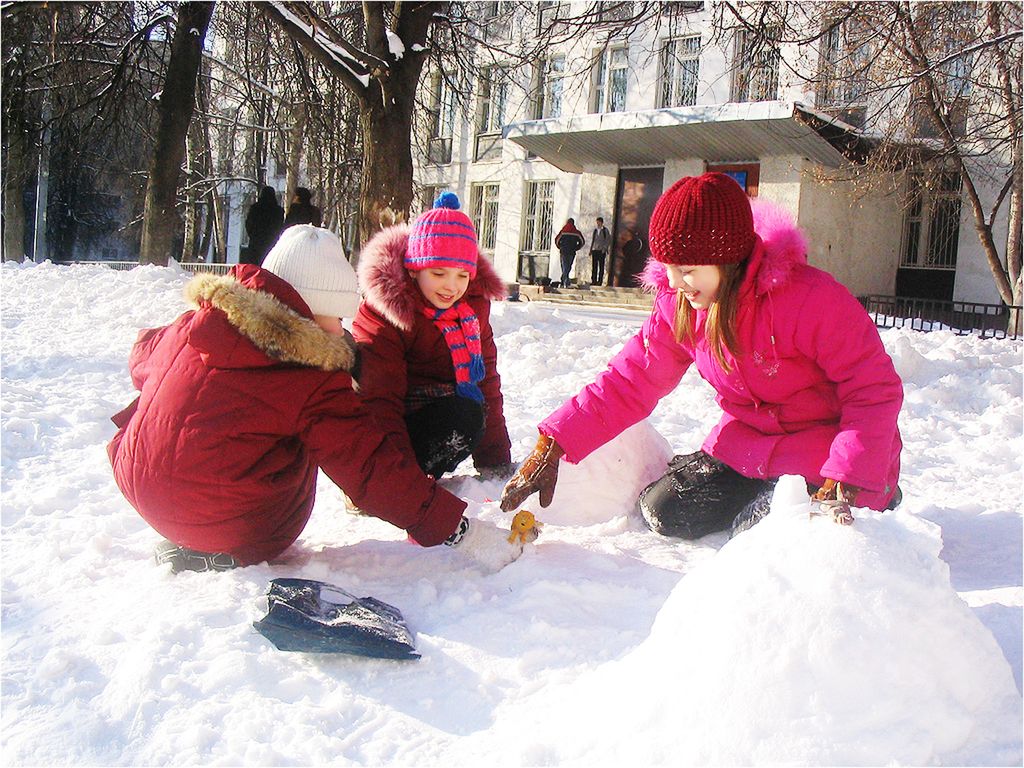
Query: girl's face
[[442, 286], [330, 324], [699, 284]]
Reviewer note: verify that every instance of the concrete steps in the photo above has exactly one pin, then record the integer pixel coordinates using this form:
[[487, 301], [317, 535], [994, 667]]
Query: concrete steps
[[601, 296]]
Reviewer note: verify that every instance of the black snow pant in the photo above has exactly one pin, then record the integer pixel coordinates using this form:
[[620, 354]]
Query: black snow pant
[[700, 495], [445, 432]]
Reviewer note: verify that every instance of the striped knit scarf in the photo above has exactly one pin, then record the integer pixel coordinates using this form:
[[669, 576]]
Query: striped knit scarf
[[461, 331]]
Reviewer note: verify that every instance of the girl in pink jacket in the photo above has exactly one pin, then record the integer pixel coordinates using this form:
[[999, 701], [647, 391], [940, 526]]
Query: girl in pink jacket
[[804, 383]]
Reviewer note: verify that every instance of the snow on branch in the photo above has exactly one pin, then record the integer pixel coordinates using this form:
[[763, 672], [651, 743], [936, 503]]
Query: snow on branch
[[330, 48]]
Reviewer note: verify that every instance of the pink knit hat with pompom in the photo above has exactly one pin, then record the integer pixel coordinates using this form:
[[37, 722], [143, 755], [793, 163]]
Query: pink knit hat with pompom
[[443, 237]]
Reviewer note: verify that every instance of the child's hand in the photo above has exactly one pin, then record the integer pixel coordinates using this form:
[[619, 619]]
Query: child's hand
[[836, 499], [538, 473]]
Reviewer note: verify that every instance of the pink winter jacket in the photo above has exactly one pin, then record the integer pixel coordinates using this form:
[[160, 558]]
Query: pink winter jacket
[[811, 393]]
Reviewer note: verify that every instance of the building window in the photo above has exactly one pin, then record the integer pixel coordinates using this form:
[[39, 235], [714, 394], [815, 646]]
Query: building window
[[614, 10], [548, 83], [610, 73], [842, 80], [680, 69], [535, 244], [931, 229], [757, 66], [484, 198], [491, 99], [442, 120], [548, 11]]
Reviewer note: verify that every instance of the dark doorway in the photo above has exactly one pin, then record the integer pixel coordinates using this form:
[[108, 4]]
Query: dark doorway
[[934, 284], [637, 192]]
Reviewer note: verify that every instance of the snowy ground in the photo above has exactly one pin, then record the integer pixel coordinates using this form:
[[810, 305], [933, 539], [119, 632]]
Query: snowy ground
[[895, 642]]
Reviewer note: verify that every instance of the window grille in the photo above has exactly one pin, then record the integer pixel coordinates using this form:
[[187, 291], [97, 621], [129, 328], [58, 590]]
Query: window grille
[[931, 230], [680, 70], [539, 209], [485, 214], [491, 101], [610, 79]]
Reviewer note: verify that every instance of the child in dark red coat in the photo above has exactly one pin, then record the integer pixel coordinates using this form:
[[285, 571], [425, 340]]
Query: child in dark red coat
[[428, 355], [243, 398]]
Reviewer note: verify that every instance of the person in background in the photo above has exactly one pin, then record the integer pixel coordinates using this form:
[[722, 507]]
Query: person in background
[[243, 398], [263, 224], [600, 242], [568, 241], [805, 386], [302, 210], [429, 363]]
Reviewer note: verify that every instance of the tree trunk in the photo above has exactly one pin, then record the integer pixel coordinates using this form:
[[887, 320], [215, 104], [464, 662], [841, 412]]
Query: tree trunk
[[15, 177], [296, 139], [177, 102], [387, 164]]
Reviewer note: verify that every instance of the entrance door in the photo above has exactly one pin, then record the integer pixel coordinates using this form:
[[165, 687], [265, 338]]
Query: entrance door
[[638, 190]]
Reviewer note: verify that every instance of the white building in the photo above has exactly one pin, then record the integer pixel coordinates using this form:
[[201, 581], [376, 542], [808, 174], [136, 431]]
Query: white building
[[602, 126]]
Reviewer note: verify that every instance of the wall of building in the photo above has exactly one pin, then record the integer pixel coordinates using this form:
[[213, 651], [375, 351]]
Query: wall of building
[[855, 238]]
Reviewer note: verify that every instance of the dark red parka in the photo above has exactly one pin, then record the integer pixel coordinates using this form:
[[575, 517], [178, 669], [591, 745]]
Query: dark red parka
[[241, 400], [403, 350]]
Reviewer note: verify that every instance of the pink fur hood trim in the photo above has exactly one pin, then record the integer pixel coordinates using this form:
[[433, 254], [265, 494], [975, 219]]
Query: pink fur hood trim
[[389, 290], [781, 245]]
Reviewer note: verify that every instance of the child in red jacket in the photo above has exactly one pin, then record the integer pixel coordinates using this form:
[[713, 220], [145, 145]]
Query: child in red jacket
[[243, 398], [428, 355]]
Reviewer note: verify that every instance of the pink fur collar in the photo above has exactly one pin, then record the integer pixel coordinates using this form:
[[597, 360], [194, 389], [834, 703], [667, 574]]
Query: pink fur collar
[[386, 285]]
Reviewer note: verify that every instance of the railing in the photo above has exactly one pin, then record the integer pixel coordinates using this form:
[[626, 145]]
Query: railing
[[123, 266], [996, 321]]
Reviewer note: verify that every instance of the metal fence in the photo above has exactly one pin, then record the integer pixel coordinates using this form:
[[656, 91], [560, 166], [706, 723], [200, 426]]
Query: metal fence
[[996, 321], [124, 266]]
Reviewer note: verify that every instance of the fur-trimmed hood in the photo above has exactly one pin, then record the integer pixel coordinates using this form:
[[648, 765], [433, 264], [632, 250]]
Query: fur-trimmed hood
[[388, 289], [780, 247], [255, 303]]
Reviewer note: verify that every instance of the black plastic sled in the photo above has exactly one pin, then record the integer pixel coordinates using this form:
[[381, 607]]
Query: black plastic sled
[[314, 617]]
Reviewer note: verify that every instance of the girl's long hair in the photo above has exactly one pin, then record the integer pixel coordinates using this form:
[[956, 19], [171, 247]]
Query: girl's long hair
[[720, 324]]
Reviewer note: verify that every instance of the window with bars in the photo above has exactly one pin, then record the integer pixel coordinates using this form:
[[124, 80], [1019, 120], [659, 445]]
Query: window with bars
[[843, 70], [484, 199], [931, 229], [680, 70], [757, 66], [610, 77], [442, 121], [535, 242], [548, 85]]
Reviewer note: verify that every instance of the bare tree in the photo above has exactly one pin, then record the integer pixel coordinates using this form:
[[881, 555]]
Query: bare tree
[[937, 89], [177, 101]]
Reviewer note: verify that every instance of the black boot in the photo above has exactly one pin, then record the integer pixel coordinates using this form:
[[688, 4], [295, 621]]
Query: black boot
[[755, 510], [184, 559]]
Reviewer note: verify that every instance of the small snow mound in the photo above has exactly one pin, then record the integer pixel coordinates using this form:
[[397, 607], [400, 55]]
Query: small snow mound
[[609, 480]]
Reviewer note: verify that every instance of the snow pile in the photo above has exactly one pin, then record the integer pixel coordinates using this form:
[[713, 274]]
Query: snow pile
[[802, 642], [799, 642]]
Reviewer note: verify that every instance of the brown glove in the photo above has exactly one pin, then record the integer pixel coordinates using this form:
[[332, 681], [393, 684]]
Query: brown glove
[[538, 473], [836, 498]]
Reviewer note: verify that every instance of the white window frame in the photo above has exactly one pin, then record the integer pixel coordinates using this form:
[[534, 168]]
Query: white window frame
[[680, 72], [549, 85], [756, 79], [611, 64], [442, 120]]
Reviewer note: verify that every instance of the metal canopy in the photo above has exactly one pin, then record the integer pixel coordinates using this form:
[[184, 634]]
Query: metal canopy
[[718, 133]]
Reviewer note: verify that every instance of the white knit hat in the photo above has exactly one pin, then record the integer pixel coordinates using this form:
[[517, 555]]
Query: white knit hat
[[313, 261]]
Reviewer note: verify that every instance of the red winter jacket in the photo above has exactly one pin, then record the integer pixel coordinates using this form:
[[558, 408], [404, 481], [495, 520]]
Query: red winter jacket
[[402, 349], [241, 400]]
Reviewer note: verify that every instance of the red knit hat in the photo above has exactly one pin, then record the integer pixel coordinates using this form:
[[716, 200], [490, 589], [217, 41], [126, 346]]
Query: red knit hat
[[443, 237], [702, 220]]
